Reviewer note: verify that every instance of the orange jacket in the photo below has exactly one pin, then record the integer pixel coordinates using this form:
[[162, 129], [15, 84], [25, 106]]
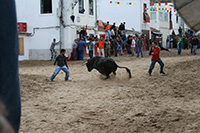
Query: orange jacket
[[101, 44], [107, 27]]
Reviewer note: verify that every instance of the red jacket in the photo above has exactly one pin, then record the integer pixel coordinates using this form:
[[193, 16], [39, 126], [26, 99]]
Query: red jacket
[[156, 52]]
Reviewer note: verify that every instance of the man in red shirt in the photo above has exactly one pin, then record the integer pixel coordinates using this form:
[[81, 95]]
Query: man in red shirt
[[155, 52]]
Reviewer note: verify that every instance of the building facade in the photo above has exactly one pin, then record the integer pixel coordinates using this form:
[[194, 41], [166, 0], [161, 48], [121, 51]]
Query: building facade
[[165, 19], [127, 11], [40, 21]]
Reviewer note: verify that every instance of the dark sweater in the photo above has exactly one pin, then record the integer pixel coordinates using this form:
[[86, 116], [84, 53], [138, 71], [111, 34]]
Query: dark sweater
[[61, 61], [195, 42]]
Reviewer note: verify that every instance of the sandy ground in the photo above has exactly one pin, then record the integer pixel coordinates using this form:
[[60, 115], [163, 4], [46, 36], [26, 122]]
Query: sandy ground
[[89, 104]]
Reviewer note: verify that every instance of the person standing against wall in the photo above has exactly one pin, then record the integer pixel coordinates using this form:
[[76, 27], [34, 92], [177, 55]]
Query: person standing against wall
[[195, 44], [107, 47], [90, 46], [139, 46], [133, 46], [75, 46], [52, 49], [179, 44], [81, 48], [100, 44]]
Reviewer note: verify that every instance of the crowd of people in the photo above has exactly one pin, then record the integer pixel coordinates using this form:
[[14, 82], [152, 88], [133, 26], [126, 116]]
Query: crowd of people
[[117, 44], [186, 41]]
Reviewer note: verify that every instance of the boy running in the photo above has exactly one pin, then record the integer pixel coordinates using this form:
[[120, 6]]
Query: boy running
[[61, 65], [155, 52]]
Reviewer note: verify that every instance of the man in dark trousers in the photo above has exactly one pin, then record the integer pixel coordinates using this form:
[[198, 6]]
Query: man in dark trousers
[[81, 48], [9, 75], [195, 44], [155, 52], [61, 65]]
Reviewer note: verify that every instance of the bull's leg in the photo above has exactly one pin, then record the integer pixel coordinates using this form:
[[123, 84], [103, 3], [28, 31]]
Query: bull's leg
[[114, 72], [107, 76]]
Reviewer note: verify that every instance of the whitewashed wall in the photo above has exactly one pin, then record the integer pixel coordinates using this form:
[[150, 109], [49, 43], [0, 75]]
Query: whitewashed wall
[[36, 47], [131, 14]]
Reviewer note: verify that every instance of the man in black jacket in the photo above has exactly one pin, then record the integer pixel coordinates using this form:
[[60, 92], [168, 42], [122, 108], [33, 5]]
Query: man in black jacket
[[195, 43], [61, 65]]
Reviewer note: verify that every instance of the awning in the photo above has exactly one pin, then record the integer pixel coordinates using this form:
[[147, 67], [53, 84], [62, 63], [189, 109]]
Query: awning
[[189, 10], [157, 33]]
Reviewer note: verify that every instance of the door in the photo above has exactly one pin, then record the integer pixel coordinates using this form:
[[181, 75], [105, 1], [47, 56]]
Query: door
[[21, 46]]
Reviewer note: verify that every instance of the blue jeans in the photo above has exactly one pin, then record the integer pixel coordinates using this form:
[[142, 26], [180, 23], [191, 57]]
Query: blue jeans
[[58, 69], [123, 46], [179, 49], [195, 49], [121, 49], [138, 51], [91, 54], [75, 51], [81, 54], [109, 33], [9, 75], [153, 62], [83, 36], [116, 51], [123, 31]]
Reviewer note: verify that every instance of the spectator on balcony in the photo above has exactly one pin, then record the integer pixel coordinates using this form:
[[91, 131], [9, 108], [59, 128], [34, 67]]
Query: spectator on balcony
[[108, 30], [113, 27]]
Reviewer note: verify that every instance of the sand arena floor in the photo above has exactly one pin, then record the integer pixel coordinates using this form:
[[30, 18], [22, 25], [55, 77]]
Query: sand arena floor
[[89, 104]]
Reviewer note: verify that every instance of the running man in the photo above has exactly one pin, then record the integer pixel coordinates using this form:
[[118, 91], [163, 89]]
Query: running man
[[61, 65], [155, 52]]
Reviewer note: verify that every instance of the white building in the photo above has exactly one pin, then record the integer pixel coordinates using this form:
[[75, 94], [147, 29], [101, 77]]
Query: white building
[[160, 20], [48, 19], [121, 11]]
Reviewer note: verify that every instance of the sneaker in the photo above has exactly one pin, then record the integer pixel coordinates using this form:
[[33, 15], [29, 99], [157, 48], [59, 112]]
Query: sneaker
[[50, 80], [162, 72], [149, 74]]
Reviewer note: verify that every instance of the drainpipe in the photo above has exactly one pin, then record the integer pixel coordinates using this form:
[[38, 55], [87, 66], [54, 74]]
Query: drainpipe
[[61, 25], [96, 24]]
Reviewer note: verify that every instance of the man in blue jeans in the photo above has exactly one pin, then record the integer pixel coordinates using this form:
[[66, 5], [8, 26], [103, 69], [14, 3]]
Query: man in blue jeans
[[195, 44], [139, 47], [9, 75], [155, 52], [61, 65], [81, 48]]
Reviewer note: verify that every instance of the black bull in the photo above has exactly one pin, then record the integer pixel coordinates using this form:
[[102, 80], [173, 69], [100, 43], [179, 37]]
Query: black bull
[[105, 66]]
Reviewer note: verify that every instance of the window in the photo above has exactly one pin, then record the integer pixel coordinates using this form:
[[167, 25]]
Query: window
[[163, 16], [153, 15], [81, 6], [160, 16], [46, 6], [91, 7], [166, 17]]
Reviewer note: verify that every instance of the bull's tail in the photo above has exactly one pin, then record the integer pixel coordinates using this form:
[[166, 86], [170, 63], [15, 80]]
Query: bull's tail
[[128, 70]]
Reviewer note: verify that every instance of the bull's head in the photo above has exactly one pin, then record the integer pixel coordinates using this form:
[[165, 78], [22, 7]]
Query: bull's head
[[89, 65]]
